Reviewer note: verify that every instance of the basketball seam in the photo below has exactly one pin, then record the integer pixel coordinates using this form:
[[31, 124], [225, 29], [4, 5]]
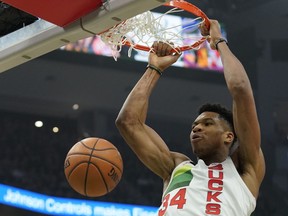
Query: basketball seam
[[83, 143], [75, 167], [102, 176], [87, 168], [103, 149], [94, 156]]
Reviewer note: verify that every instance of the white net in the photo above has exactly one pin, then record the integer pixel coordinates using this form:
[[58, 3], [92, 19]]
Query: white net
[[141, 31]]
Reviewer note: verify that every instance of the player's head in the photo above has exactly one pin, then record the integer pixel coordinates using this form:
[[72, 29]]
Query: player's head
[[212, 131]]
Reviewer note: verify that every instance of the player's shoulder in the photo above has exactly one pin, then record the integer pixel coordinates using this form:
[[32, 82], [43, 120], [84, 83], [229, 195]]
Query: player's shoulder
[[179, 158]]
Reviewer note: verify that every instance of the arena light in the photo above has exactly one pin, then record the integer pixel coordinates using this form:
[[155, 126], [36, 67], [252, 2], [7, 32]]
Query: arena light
[[38, 124], [75, 106], [55, 129]]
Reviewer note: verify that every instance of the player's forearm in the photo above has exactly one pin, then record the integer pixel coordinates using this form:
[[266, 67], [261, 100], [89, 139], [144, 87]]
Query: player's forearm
[[136, 104], [234, 72]]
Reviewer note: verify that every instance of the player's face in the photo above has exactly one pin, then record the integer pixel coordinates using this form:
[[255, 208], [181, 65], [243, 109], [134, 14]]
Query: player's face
[[207, 134]]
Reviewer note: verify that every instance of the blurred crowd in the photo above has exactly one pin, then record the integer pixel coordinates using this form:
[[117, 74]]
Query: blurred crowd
[[32, 158]]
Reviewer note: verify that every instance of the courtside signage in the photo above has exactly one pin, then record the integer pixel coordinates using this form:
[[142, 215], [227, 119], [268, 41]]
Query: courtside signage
[[36, 202]]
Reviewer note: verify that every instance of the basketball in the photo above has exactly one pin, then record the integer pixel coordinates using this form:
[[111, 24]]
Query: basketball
[[93, 167]]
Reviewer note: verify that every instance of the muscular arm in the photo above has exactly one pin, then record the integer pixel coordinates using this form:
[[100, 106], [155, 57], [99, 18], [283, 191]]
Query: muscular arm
[[245, 116], [143, 140]]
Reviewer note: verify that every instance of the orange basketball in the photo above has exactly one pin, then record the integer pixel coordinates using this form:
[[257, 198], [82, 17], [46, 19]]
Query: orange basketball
[[93, 167]]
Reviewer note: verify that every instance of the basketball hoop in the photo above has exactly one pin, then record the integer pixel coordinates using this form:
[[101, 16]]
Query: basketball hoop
[[139, 32]]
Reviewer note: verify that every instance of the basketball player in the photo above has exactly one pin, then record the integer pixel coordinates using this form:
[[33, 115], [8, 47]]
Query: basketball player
[[218, 184]]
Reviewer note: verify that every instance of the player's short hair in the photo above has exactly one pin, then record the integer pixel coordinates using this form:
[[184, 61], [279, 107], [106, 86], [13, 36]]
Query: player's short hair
[[223, 112]]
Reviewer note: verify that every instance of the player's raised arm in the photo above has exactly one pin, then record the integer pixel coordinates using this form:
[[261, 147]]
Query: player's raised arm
[[144, 141], [244, 112]]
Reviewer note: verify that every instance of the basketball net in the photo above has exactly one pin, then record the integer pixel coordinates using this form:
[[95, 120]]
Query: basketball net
[[141, 31]]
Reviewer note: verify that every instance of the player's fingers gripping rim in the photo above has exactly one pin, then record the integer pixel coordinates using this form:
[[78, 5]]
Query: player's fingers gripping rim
[[204, 29], [155, 48], [162, 51], [160, 48], [168, 49]]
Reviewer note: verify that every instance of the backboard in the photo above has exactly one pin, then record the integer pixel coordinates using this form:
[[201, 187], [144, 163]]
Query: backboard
[[46, 35]]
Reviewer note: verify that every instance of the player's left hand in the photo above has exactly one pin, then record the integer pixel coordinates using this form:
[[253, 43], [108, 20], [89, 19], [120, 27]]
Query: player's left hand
[[163, 55]]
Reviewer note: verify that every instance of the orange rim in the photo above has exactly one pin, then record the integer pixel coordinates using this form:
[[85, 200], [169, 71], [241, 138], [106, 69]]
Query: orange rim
[[189, 8]]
